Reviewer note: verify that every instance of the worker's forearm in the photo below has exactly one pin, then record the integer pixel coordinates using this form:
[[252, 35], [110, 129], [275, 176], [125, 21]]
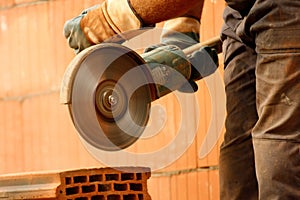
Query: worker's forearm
[[195, 11], [154, 11]]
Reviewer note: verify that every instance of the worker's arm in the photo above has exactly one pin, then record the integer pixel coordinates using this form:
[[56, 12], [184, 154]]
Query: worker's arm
[[117, 16], [181, 28], [152, 12]]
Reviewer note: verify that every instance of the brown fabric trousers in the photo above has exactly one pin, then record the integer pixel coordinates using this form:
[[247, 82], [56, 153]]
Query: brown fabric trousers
[[260, 155]]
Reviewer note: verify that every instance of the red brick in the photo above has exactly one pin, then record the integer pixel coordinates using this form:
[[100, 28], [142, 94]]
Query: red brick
[[11, 136], [6, 3], [194, 184]]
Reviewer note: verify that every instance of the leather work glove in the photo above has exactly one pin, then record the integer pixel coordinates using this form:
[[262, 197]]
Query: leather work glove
[[204, 62], [73, 33], [184, 32], [99, 23]]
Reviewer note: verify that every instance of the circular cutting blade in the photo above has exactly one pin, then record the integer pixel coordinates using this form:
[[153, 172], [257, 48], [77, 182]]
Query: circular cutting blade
[[111, 97]]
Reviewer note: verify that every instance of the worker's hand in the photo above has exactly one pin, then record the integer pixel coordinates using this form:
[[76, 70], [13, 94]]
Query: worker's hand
[[184, 32], [73, 33], [204, 62], [99, 23]]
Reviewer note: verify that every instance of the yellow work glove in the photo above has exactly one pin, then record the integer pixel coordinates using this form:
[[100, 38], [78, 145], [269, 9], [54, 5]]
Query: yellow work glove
[[99, 23]]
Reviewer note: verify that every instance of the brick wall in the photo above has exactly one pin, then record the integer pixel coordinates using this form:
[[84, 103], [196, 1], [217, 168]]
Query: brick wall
[[36, 132]]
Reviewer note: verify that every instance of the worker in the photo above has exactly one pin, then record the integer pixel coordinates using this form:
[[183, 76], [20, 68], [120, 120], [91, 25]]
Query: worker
[[260, 154], [101, 22]]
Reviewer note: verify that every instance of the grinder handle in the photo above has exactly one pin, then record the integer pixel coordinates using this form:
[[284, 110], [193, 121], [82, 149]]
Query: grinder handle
[[215, 43]]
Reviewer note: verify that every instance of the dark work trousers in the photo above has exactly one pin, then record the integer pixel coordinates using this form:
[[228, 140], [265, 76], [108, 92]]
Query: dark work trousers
[[260, 155]]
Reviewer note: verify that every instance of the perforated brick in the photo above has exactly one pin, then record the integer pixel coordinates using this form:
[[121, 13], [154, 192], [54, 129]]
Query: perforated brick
[[126, 183]]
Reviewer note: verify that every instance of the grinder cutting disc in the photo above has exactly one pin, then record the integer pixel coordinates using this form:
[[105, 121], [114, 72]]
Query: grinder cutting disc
[[111, 97]]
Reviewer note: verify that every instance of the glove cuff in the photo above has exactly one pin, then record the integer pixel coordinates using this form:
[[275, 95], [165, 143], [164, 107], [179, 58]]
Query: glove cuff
[[120, 16], [110, 18], [183, 24], [187, 25]]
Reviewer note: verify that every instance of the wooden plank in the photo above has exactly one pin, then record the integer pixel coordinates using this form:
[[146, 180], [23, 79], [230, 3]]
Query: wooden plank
[[29, 185]]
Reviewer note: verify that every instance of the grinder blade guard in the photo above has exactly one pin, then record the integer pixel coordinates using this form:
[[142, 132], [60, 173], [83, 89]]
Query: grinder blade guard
[[107, 97]]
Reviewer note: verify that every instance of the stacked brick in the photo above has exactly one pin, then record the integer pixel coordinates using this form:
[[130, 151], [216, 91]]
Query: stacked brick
[[105, 184], [122, 183]]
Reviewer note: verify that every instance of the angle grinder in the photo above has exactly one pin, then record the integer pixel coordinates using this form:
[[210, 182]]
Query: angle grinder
[[108, 89]]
